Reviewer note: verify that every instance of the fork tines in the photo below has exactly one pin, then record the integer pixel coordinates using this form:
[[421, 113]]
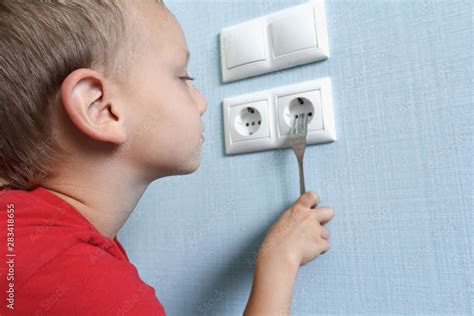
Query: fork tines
[[300, 126]]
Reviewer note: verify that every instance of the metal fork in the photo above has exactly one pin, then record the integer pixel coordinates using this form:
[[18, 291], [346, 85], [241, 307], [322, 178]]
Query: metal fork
[[298, 135]]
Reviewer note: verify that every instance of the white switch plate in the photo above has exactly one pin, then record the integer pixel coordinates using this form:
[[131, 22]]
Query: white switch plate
[[287, 38], [262, 120]]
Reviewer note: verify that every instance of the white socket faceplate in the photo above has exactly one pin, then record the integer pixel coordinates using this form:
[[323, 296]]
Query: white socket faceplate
[[310, 104], [248, 125], [276, 108]]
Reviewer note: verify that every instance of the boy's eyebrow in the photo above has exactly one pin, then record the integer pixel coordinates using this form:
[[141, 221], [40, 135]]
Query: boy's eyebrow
[[183, 56], [188, 56]]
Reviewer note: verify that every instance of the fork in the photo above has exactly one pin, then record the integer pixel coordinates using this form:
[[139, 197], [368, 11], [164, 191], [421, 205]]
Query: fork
[[297, 136]]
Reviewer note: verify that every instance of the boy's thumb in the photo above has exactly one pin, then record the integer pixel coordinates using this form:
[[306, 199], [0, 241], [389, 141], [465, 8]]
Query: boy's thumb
[[308, 199]]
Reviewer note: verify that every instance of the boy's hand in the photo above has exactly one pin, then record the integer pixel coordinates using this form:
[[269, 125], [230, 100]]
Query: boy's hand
[[298, 236]]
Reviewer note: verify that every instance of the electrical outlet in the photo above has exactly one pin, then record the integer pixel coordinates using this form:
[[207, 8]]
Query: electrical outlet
[[314, 98], [249, 121], [247, 124], [262, 120], [290, 106]]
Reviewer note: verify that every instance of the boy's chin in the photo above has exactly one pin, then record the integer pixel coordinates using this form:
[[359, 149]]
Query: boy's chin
[[189, 167]]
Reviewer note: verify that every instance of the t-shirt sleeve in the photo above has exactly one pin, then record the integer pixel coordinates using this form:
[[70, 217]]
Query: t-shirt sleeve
[[79, 284]]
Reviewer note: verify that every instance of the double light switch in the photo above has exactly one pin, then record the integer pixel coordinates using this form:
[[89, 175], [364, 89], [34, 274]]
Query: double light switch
[[284, 39]]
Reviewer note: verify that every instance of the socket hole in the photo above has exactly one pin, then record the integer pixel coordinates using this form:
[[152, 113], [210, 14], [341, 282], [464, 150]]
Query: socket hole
[[246, 119], [298, 106]]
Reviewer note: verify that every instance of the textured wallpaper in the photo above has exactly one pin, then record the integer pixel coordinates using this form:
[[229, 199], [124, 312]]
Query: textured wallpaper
[[399, 177]]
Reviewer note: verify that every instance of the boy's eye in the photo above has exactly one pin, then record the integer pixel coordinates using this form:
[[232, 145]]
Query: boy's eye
[[186, 78]]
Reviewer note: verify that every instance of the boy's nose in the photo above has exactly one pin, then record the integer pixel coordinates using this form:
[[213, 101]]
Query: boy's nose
[[205, 107], [202, 104]]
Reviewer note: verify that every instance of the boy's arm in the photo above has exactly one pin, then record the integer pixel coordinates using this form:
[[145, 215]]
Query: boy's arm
[[272, 288]]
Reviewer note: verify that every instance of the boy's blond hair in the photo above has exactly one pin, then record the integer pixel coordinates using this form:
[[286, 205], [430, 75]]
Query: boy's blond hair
[[41, 42]]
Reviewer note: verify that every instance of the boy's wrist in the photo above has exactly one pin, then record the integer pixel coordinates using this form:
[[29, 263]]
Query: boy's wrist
[[284, 269], [286, 263], [272, 287]]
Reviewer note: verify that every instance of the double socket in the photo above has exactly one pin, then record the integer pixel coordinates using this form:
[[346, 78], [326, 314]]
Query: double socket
[[262, 120]]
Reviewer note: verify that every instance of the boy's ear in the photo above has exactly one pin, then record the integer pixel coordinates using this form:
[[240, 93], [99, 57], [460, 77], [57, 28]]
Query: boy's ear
[[85, 97]]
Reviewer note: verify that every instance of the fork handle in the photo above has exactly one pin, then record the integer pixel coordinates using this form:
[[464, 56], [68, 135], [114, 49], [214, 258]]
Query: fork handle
[[300, 167], [302, 186]]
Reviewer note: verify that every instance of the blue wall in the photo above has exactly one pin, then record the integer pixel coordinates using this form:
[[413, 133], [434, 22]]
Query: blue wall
[[399, 177]]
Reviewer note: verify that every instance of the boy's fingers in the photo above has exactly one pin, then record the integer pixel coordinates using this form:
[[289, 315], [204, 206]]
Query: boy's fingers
[[324, 214], [324, 233], [308, 199]]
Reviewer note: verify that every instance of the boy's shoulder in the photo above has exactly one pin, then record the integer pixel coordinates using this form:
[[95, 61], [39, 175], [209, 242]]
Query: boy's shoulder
[[87, 281], [56, 256], [42, 229]]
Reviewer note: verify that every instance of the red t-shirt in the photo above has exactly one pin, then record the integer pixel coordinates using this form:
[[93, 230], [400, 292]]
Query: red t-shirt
[[54, 262]]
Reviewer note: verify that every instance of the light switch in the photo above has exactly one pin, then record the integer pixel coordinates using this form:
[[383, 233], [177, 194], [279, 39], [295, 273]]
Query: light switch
[[245, 43], [287, 38], [293, 32]]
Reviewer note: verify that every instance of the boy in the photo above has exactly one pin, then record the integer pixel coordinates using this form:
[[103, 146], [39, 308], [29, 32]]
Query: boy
[[97, 104]]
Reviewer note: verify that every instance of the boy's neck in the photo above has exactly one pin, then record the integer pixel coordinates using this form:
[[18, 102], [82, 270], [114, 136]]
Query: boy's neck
[[106, 203]]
